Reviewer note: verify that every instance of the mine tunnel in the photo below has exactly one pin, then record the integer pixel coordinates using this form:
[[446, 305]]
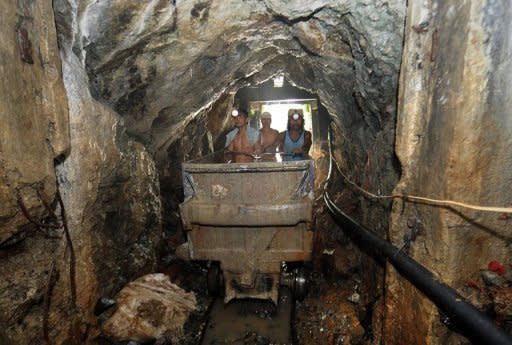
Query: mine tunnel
[[408, 104]]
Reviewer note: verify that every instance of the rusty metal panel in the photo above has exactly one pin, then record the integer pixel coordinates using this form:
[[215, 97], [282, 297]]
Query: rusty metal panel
[[247, 187], [262, 182], [223, 214], [262, 245]]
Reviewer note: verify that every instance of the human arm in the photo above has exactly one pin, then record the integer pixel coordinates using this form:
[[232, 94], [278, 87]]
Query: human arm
[[307, 143], [274, 145], [228, 155], [280, 142], [228, 149], [258, 148]]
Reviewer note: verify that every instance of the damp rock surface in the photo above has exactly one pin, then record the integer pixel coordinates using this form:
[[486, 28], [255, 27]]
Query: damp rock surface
[[34, 132], [451, 131], [105, 99], [160, 62], [34, 115]]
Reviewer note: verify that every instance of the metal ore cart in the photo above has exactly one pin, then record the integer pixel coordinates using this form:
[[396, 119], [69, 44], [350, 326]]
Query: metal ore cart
[[249, 221]]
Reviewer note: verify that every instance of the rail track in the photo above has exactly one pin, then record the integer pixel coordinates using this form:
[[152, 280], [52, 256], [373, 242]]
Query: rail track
[[250, 322]]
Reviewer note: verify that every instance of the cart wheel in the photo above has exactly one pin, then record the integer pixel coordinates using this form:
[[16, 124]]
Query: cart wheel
[[215, 280], [300, 283]]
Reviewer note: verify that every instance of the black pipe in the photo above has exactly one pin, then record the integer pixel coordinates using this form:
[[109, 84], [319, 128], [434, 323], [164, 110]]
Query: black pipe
[[474, 324]]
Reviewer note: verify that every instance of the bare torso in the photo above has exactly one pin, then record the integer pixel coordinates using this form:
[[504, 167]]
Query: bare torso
[[269, 138], [241, 147]]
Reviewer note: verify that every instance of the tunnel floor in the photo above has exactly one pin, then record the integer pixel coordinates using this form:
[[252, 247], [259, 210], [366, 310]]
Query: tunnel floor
[[328, 314], [249, 321], [331, 312]]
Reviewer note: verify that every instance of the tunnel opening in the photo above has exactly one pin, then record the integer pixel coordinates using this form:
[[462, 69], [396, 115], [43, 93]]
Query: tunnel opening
[[278, 100], [211, 137], [336, 274]]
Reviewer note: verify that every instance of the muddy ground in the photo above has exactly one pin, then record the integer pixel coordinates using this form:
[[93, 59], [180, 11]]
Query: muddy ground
[[332, 312]]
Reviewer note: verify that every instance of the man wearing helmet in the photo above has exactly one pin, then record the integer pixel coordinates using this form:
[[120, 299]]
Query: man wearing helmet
[[243, 142], [295, 142]]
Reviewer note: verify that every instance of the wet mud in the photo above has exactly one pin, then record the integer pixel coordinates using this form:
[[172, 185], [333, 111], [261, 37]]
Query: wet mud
[[331, 314], [250, 321]]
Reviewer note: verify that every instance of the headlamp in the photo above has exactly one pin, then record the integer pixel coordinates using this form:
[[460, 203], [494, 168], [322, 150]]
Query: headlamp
[[296, 116], [234, 113]]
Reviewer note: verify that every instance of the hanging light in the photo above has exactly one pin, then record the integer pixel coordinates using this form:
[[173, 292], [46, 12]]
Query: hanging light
[[279, 81]]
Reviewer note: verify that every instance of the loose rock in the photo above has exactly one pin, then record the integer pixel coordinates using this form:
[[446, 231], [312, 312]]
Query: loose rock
[[149, 308]]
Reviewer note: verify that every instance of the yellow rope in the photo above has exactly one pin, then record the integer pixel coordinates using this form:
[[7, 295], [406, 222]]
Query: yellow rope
[[429, 200]]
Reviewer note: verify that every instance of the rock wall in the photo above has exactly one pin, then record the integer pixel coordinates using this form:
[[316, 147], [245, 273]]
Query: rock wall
[[34, 132], [162, 65], [151, 73], [108, 183], [159, 63], [453, 141], [33, 110]]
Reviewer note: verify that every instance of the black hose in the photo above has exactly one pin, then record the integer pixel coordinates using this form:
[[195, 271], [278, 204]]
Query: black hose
[[474, 324]]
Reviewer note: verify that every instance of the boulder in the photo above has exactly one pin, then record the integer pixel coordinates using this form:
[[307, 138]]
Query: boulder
[[149, 308]]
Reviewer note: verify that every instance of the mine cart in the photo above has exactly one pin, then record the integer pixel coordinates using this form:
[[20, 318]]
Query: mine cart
[[249, 221]]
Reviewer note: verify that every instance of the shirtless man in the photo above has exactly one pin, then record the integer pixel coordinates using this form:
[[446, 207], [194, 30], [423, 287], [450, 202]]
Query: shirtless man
[[295, 142], [243, 142], [269, 136]]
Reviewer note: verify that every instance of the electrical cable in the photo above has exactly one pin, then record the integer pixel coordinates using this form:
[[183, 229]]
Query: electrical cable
[[423, 199], [474, 324]]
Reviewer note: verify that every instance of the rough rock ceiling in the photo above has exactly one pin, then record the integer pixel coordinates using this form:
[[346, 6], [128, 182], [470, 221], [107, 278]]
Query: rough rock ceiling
[[159, 63]]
